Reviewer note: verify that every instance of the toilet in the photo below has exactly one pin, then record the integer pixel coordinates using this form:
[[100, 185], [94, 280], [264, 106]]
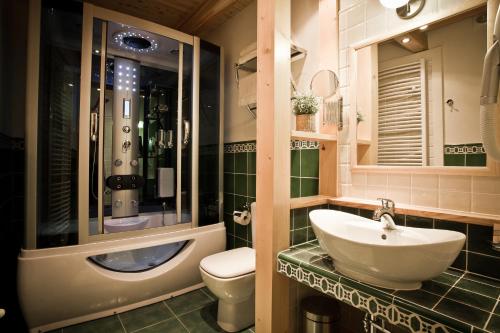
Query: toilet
[[230, 275]]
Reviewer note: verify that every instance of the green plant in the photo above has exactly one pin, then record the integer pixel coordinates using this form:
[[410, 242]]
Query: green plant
[[305, 103]]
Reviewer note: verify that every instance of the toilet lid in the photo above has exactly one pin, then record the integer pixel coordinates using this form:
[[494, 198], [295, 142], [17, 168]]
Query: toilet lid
[[230, 264]]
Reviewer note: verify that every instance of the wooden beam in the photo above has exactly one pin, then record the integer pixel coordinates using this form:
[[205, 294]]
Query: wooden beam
[[208, 10], [417, 42], [273, 163]]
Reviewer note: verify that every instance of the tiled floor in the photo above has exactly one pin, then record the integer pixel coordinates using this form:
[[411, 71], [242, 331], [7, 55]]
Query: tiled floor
[[192, 312]]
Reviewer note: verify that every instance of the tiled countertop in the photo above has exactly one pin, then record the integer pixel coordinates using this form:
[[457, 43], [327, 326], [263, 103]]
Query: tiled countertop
[[453, 302]]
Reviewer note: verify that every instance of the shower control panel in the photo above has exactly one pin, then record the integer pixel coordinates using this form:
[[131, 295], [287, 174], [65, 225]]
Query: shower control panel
[[125, 182]]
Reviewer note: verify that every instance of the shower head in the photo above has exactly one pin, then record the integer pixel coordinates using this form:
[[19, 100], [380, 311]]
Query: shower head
[[138, 43], [135, 41]]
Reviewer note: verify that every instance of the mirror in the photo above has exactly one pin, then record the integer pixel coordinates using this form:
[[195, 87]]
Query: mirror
[[417, 95], [325, 84]]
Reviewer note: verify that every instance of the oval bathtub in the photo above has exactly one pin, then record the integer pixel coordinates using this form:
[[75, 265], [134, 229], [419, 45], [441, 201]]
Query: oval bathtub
[[60, 286]]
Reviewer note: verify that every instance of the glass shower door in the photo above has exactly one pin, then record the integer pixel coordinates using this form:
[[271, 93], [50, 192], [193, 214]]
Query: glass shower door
[[140, 130]]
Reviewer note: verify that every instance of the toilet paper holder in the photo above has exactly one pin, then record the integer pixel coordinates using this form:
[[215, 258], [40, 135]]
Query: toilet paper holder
[[243, 216]]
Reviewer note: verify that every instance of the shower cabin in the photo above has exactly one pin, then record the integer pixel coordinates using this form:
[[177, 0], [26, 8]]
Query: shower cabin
[[124, 163]]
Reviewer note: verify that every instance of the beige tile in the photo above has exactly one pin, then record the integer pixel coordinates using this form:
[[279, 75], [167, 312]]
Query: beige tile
[[425, 181], [486, 185], [455, 183], [345, 174], [400, 195], [344, 154], [377, 179], [455, 200], [426, 198], [345, 190], [486, 203], [356, 15], [358, 178], [399, 180], [375, 192], [355, 34], [357, 191]]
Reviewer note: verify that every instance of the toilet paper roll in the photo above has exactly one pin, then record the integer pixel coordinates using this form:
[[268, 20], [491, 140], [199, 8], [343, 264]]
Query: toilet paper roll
[[242, 218]]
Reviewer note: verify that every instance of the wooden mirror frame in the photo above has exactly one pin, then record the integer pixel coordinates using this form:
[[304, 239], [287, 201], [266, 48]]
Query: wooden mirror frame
[[492, 168]]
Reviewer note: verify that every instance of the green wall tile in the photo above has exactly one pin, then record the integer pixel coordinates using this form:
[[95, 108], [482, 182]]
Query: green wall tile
[[229, 223], [454, 160], [229, 183], [477, 160], [240, 163], [300, 218], [228, 203], [252, 180], [308, 187], [295, 163], [294, 187], [299, 236], [309, 163], [229, 162], [240, 184], [252, 163]]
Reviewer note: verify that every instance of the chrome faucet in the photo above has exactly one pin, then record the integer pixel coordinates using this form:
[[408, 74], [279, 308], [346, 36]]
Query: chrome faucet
[[386, 214]]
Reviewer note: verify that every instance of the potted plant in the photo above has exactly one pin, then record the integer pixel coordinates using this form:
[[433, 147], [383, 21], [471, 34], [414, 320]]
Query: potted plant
[[305, 106]]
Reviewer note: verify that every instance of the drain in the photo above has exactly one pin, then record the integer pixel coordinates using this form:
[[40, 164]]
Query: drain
[[384, 236]]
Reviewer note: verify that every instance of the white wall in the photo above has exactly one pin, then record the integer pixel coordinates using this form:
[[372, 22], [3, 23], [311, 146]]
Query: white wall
[[367, 19], [240, 31]]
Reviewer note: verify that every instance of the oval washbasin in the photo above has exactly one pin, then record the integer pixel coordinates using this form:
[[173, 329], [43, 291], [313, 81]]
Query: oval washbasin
[[125, 224], [397, 259]]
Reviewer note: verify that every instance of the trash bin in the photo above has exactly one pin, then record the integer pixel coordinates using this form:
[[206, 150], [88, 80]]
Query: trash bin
[[319, 314]]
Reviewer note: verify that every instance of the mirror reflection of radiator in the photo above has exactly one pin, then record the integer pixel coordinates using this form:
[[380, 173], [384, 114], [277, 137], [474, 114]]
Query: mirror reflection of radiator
[[402, 115]]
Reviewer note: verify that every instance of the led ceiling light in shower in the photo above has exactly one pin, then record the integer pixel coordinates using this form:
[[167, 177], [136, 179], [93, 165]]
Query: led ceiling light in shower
[[135, 41]]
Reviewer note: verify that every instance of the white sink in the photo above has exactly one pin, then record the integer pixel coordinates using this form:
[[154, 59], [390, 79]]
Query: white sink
[[125, 224], [397, 259]]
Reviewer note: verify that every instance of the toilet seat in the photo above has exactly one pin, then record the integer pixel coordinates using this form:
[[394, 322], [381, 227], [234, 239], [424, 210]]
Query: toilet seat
[[230, 264]]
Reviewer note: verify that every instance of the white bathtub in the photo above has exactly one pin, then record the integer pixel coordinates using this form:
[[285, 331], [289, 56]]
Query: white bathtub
[[59, 286]]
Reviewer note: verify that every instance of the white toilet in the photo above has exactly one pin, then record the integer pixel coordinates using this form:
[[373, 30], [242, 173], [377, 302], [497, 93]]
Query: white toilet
[[230, 275]]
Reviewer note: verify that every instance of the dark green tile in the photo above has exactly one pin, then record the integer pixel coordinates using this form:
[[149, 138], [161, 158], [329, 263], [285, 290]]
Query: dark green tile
[[228, 203], [350, 210], [240, 163], [308, 187], [399, 219], [188, 302], [366, 213], [435, 287], [462, 312], [299, 236], [229, 162], [460, 261], [497, 309], [249, 237], [170, 326], [450, 225], [295, 163], [228, 183], [454, 160], [145, 316], [324, 267], [252, 163], [229, 241], [447, 278], [294, 187], [493, 324], [480, 288], [209, 293], [472, 299], [482, 279], [418, 222], [479, 239], [310, 234], [240, 184], [309, 163], [484, 265], [304, 246], [420, 297], [239, 202], [229, 223], [252, 180], [59, 330], [240, 242], [477, 160], [203, 320], [300, 218], [241, 231], [104, 325]]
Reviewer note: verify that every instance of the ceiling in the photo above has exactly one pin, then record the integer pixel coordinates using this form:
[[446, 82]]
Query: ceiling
[[196, 17]]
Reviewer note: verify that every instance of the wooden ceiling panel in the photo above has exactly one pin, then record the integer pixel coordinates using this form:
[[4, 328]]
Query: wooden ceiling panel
[[190, 16]]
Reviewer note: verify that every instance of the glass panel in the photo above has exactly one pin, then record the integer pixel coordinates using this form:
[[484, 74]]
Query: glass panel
[[186, 128], [138, 260], [140, 130], [209, 134], [58, 111]]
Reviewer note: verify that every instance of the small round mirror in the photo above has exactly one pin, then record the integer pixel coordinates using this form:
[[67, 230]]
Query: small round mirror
[[324, 83]]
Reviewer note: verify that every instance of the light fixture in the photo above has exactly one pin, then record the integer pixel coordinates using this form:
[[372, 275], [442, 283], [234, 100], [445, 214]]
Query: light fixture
[[406, 40], [140, 124], [393, 3], [70, 84], [424, 27], [96, 51]]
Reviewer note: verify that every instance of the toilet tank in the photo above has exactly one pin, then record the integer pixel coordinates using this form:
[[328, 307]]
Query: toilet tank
[[253, 211]]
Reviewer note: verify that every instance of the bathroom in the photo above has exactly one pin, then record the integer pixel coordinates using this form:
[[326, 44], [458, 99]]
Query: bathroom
[[236, 173]]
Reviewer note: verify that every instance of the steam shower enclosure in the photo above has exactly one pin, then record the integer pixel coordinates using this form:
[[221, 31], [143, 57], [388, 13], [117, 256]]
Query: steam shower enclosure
[[124, 163]]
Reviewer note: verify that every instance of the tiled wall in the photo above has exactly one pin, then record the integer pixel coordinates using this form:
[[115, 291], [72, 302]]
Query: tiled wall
[[477, 256], [471, 154], [363, 19], [11, 227], [240, 180]]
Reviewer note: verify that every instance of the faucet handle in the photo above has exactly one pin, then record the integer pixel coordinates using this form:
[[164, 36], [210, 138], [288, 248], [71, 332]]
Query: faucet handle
[[387, 203]]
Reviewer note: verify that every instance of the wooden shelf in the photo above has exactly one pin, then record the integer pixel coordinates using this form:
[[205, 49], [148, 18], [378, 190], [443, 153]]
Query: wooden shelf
[[364, 142], [313, 136], [308, 201]]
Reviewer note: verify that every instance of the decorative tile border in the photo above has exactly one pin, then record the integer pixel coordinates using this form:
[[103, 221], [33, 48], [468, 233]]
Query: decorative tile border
[[472, 148], [248, 147], [302, 144], [425, 310], [9, 143]]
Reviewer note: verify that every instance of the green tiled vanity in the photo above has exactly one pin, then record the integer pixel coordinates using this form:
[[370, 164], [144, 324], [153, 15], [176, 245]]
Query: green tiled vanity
[[455, 301], [441, 305]]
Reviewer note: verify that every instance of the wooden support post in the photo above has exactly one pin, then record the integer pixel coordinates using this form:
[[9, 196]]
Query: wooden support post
[[273, 163]]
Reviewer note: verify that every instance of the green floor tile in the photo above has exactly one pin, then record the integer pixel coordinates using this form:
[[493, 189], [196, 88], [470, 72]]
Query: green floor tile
[[479, 287], [209, 293], [203, 320], [104, 325], [167, 326], [494, 324], [473, 299], [188, 302], [145, 316], [462, 312]]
